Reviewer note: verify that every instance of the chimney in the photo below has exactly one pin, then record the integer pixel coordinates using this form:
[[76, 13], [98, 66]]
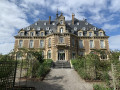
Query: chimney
[[73, 15], [49, 19]]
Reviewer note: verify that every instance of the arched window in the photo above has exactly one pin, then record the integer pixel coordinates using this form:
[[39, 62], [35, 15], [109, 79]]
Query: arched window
[[49, 54], [19, 55], [61, 30]]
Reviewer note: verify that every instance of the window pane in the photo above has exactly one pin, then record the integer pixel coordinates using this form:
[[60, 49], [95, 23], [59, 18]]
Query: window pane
[[91, 44], [31, 44], [49, 54], [90, 34], [42, 33], [49, 42], [20, 43], [61, 40], [80, 43], [102, 43], [41, 43]]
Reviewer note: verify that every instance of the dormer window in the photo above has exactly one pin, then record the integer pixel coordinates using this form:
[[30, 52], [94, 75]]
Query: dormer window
[[42, 33], [80, 34], [45, 23], [61, 22], [36, 23], [86, 23], [77, 23], [101, 34], [69, 23], [31, 33], [90, 34], [38, 28], [28, 28], [61, 30], [83, 28], [75, 28], [53, 23], [94, 28], [47, 28], [22, 34]]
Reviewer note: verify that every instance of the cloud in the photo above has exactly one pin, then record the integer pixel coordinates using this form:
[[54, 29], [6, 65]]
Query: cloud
[[114, 42], [114, 6], [11, 19], [111, 27], [5, 48]]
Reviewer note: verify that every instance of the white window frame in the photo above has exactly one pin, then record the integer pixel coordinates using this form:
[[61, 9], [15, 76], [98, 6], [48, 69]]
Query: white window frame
[[78, 23], [80, 33], [41, 43], [36, 23], [61, 30], [31, 44], [20, 43], [49, 54], [45, 23], [91, 44], [42, 34], [38, 28], [90, 34], [31, 33], [49, 42], [83, 28], [75, 28], [102, 46], [28, 28]]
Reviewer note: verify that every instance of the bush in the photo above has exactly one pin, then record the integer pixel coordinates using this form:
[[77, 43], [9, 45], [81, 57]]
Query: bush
[[100, 87]]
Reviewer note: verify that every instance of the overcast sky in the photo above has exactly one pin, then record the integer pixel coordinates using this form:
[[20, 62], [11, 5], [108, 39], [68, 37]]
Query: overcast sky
[[17, 14]]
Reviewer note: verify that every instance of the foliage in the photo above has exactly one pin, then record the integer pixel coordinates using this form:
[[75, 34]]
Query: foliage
[[40, 69], [5, 58], [100, 87], [91, 68]]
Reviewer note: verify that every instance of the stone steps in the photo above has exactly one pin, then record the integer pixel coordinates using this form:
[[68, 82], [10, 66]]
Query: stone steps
[[61, 64]]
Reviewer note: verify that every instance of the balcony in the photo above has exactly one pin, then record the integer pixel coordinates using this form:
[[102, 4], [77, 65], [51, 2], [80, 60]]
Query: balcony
[[61, 44]]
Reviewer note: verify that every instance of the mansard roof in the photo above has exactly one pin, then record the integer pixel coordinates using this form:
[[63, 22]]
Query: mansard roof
[[78, 24]]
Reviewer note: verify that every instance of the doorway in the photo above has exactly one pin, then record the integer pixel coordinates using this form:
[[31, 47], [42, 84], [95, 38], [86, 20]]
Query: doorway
[[61, 55]]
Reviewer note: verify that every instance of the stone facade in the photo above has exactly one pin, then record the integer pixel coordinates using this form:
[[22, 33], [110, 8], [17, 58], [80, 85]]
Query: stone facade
[[62, 40]]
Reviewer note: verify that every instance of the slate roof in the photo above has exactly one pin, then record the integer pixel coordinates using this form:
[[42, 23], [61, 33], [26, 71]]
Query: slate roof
[[68, 23]]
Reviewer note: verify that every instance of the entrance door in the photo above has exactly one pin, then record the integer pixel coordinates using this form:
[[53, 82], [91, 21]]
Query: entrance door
[[61, 55]]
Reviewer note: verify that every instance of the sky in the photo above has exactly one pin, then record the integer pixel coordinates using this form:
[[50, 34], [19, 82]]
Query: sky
[[17, 14]]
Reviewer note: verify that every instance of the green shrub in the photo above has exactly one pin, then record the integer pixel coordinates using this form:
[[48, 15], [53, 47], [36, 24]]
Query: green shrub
[[100, 87]]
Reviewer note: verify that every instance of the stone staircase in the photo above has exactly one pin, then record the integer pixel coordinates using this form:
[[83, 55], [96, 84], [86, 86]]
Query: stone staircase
[[61, 64]]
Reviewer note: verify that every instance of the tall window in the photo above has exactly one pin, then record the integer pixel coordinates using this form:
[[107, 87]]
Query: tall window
[[73, 42], [102, 44], [91, 44], [22, 34], [61, 30], [90, 34], [80, 43], [31, 33], [42, 33], [73, 55], [101, 34], [20, 43], [31, 44], [49, 42], [41, 43], [80, 33], [49, 54], [61, 40]]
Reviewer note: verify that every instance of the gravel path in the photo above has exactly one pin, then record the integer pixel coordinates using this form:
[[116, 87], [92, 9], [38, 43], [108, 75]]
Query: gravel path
[[61, 79]]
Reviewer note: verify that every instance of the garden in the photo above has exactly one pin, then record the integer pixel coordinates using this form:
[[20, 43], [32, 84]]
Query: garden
[[31, 66], [92, 69]]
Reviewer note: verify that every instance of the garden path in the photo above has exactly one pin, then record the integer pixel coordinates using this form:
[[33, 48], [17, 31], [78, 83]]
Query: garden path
[[61, 79]]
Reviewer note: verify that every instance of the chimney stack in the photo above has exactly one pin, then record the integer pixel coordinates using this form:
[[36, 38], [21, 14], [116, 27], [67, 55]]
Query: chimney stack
[[73, 15], [49, 19]]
